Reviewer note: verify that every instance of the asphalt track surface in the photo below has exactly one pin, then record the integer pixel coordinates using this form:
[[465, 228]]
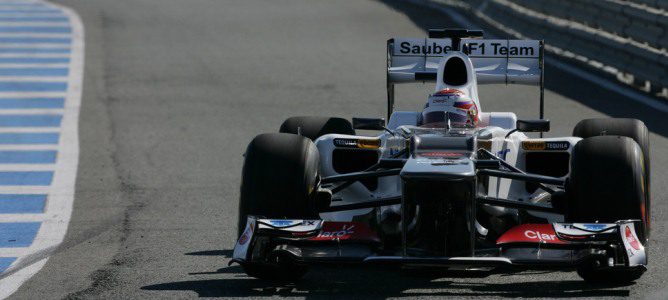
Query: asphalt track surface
[[174, 91]]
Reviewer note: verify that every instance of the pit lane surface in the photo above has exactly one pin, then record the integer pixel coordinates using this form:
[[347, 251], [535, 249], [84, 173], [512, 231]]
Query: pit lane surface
[[173, 92], [41, 64]]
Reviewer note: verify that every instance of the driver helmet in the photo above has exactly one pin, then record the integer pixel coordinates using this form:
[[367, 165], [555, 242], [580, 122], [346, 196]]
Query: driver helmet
[[450, 104]]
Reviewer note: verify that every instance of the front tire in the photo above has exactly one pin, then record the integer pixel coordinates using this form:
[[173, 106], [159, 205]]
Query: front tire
[[284, 272], [607, 184], [631, 128], [279, 181], [602, 276], [278, 178]]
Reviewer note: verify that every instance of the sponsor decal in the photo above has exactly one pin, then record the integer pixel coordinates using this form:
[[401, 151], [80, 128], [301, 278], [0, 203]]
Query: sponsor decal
[[631, 238], [472, 47], [594, 227], [247, 234], [440, 161], [584, 228], [281, 223], [293, 226], [581, 231], [440, 100], [433, 48], [547, 146], [445, 162], [346, 230], [537, 235], [533, 145], [347, 143], [498, 49], [557, 145], [445, 96], [530, 233], [440, 154], [358, 143], [634, 249], [502, 154], [339, 231]]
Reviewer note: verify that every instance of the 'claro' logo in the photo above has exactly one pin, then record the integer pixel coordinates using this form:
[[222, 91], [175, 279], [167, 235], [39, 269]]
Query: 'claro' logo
[[344, 232], [537, 235]]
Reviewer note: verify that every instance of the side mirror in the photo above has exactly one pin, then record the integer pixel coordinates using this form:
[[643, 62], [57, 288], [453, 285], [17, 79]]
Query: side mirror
[[369, 123], [533, 125]]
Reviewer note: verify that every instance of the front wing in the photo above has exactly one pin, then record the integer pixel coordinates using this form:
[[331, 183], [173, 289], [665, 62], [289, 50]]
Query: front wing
[[529, 246]]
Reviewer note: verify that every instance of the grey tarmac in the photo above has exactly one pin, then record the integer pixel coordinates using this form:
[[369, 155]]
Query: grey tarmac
[[174, 91]]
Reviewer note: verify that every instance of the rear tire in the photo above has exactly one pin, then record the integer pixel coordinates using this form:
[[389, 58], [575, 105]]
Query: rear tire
[[279, 181], [315, 127], [631, 128]]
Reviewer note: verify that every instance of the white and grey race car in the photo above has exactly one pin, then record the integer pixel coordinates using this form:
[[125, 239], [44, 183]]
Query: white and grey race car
[[478, 194]]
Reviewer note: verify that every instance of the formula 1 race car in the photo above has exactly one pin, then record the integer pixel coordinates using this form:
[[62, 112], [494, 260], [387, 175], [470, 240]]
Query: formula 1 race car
[[449, 186]]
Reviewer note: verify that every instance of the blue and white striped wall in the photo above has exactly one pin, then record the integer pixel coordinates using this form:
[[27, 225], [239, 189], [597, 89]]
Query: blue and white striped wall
[[41, 65]]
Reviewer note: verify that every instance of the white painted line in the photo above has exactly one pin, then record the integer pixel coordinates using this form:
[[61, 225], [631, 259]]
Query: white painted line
[[39, 111], [35, 35], [34, 55], [31, 94], [31, 24], [24, 190], [27, 95], [34, 65], [28, 147], [47, 65], [33, 79], [25, 167], [32, 15], [15, 218], [19, 276], [28, 130], [61, 192], [11, 252], [34, 46]]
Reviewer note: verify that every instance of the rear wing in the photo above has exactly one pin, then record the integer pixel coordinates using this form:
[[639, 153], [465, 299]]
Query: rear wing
[[494, 60]]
